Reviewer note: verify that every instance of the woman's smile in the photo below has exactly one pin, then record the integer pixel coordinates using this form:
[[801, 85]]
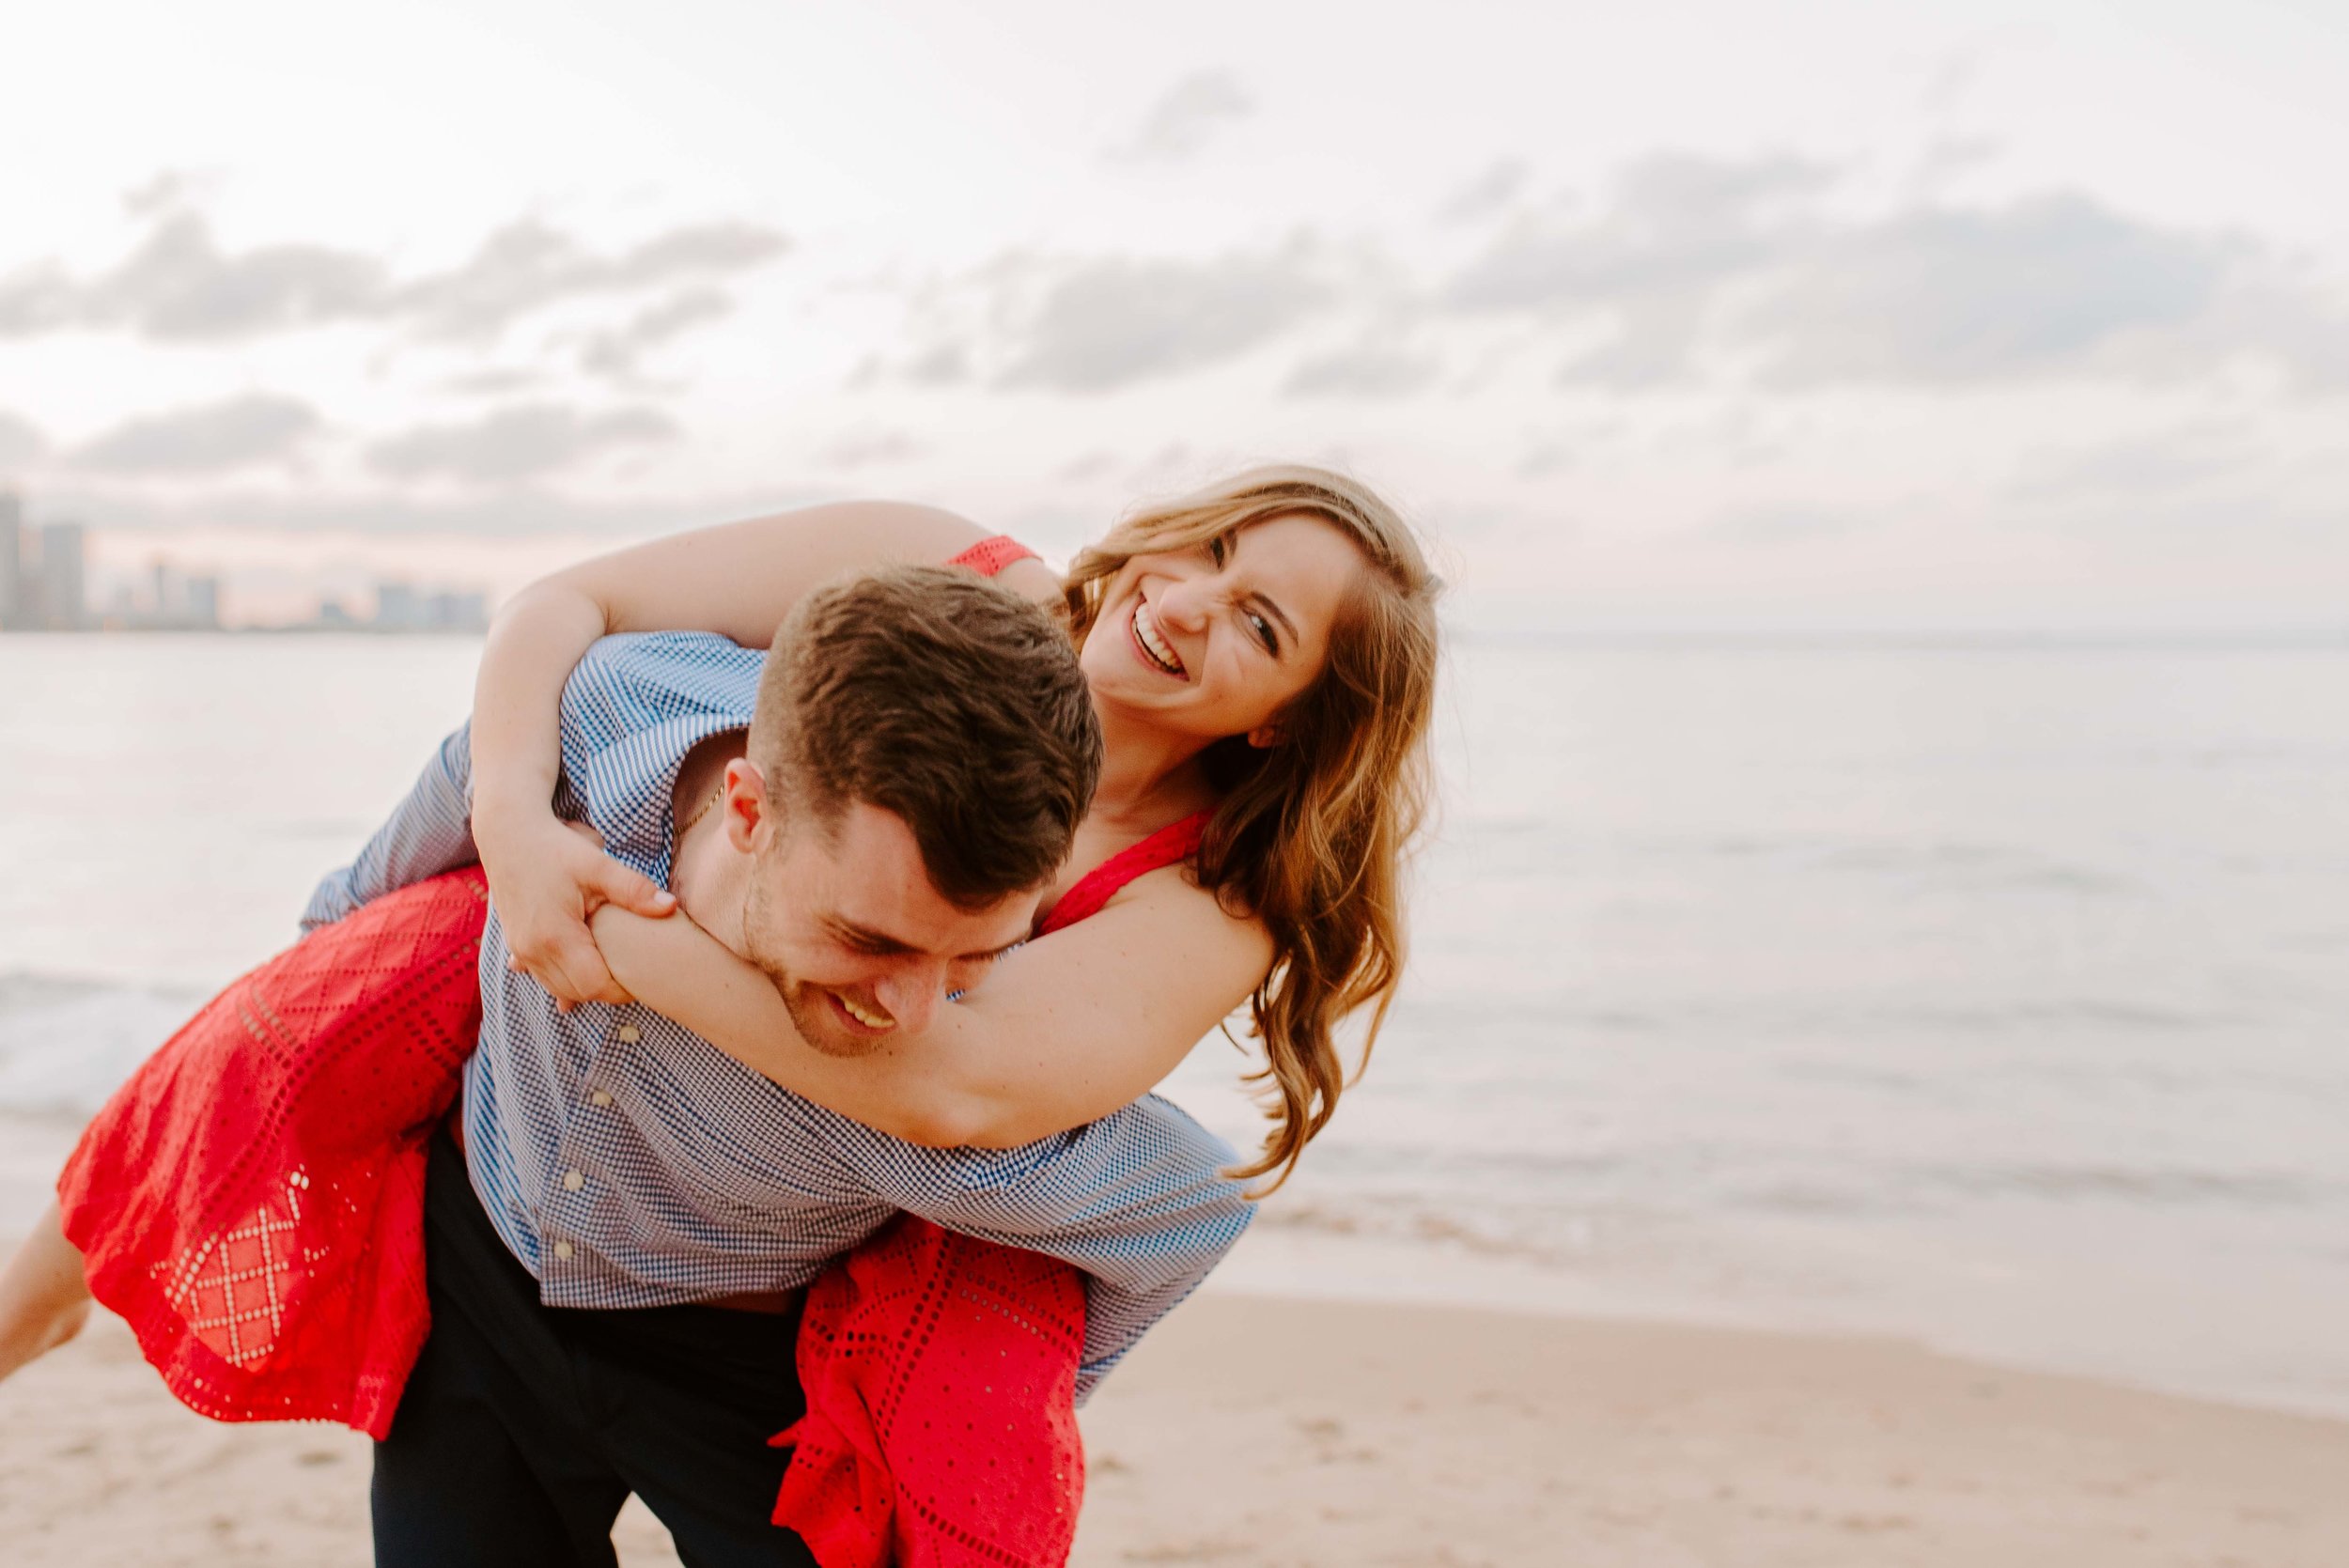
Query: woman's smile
[[1152, 644]]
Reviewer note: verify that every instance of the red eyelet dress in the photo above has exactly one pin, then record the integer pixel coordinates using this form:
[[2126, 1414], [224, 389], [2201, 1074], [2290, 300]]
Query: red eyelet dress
[[252, 1203]]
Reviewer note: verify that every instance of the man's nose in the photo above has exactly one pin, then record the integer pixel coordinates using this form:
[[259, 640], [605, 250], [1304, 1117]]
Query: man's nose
[[912, 992]]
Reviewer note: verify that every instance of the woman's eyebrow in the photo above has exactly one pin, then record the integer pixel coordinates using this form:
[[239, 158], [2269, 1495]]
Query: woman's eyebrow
[[1279, 614]]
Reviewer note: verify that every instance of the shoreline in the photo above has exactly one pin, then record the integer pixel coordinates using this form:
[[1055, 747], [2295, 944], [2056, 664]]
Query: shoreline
[[1300, 1263], [1267, 1430]]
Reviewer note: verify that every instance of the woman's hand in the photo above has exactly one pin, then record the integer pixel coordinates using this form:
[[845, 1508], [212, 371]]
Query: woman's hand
[[545, 877]]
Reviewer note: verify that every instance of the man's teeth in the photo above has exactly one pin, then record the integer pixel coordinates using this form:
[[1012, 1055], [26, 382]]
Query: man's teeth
[[870, 1020], [1145, 629]]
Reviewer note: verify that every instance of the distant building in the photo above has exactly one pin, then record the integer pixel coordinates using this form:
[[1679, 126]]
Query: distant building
[[62, 583], [203, 609], [12, 617], [455, 612], [397, 608], [404, 607]]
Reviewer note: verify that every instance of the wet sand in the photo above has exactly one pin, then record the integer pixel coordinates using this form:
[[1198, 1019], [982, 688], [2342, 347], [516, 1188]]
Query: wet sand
[[1251, 1431]]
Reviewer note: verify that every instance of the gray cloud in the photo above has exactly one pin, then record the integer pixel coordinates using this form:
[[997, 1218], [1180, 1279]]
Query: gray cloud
[[1677, 226], [2158, 466], [527, 266], [615, 353], [213, 437], [517, 444], [1486, 193], [1182, 122], [1693, 267], [20, 439], [179, 285], [1951, 295], [497, 382], [1363, 371], [504, 512], [1113, 321], [946, 365], [871, 449]]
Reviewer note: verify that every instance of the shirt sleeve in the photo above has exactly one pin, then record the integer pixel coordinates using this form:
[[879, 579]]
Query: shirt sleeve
[[429, 832], [1137, 1200]]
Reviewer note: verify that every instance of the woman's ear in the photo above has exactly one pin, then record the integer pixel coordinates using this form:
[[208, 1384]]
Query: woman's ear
[[1265, 736]]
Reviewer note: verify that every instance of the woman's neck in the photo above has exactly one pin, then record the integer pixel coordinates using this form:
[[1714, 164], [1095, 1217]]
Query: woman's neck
[[1148, 776]]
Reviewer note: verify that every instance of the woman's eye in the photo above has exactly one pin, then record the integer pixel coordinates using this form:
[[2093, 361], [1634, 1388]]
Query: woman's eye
[[1215, 549], [1264, 633]]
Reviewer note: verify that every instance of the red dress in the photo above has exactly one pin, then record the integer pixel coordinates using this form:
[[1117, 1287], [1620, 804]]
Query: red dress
[[252, 1203]]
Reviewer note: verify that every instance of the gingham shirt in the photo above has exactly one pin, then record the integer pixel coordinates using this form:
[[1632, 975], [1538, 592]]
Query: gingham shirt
[[627, 1162]]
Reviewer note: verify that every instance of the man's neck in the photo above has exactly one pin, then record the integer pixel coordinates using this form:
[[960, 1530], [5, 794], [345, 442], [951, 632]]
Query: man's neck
[[706, 872]]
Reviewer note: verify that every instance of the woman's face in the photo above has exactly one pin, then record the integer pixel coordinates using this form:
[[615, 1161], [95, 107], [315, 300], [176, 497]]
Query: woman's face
[[1215, 641]]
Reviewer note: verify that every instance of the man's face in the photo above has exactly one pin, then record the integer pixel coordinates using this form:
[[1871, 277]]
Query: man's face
[[861, 945]]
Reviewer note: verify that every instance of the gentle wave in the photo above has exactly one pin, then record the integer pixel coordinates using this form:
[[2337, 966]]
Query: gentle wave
[[66, 1043]]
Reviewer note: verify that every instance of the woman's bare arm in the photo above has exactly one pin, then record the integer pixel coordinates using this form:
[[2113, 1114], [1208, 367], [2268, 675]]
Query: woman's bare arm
[[1066, 1029], [739, 579]]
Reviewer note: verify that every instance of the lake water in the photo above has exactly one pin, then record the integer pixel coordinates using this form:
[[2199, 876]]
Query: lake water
[[1992, 995]]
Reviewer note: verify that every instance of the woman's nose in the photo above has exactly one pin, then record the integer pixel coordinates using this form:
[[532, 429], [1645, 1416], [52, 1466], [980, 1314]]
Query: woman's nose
[[1182, 606]]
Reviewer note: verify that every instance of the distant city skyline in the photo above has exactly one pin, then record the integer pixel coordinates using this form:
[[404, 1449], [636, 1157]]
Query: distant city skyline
[[45, 587], [1815, 316]]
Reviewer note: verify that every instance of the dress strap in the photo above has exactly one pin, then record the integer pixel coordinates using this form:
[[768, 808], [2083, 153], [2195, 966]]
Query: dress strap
[[1170, 844], [992, 554]]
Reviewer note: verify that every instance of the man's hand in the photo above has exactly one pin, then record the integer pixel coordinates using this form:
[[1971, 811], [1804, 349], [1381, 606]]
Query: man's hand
[[545, 879]]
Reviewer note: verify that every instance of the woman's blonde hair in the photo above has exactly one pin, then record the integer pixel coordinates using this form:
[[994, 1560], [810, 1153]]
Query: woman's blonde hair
[[1311, 832]]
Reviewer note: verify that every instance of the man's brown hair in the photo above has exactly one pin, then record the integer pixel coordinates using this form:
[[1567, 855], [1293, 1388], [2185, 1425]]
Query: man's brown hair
[[943, 697]]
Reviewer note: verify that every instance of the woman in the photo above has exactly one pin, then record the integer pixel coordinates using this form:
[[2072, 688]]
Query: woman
[[1261, 655], [1268, 663]]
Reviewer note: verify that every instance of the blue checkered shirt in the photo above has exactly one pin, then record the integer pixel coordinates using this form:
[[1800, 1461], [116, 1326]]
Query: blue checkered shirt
[[627, 1162]]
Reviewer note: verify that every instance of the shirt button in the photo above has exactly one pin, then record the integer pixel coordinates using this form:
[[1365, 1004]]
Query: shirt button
[[573, 1181], [629, 1036], [598, 1097], [563, 1250]]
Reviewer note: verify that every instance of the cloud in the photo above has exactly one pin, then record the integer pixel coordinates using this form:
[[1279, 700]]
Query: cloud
[[213, 437], [869, 448], [512, 512], [179, 285], [1109, 323], [1180, 124], [525, 441], [1697, 268], [1486, 193], [945, 365], [615, 353], [1954, 295], [1677, 226], [1366, 371], [21, 440], [2154, 466], [529, 265]]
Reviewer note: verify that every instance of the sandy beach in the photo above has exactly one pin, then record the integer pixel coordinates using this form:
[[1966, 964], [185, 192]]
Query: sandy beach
[[1252, 1431]]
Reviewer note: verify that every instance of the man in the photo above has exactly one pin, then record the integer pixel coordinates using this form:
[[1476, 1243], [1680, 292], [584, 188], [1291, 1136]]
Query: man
[[911, 760]]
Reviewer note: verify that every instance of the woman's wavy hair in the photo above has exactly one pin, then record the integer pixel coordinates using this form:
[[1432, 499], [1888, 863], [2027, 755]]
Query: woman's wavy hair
[[1312, 831]]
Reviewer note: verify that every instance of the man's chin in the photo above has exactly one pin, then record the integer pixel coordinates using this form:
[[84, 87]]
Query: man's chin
[[818, 1016]]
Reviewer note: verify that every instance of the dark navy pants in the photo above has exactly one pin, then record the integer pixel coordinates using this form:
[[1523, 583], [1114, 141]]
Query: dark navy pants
[[525, 1427]]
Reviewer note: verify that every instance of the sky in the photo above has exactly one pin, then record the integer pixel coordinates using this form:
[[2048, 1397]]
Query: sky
[[1700, 316]]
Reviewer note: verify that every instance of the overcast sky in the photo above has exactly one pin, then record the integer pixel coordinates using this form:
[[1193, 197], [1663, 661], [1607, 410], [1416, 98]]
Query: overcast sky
[[1987, 316]]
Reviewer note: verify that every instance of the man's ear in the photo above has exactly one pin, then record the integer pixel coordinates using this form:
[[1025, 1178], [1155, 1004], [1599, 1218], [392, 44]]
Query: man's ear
[[746, 810]]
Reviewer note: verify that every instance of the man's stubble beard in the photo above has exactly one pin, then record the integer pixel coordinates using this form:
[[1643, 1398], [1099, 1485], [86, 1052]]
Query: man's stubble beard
[[810, 1007]]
